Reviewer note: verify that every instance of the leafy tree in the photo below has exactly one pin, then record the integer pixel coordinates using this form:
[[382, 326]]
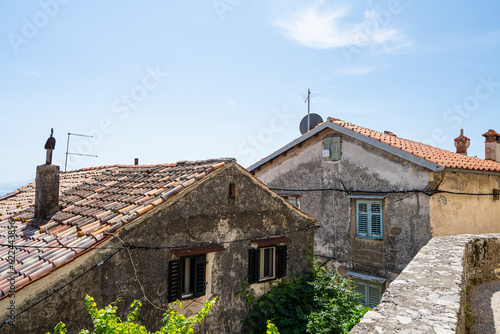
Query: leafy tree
[[321, 302], [107, 322]]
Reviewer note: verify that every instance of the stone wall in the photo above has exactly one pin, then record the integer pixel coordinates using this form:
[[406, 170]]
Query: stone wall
[[406, 217], [201, 214], [429, 295]]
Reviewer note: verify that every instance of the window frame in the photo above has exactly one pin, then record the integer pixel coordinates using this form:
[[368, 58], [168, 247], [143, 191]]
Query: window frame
[[366, 300], [279, 259], [372, 232], [271, 263], [177, 277], [287, 197]]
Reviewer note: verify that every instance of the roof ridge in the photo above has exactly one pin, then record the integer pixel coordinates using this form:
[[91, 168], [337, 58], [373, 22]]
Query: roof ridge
[[427, 155]]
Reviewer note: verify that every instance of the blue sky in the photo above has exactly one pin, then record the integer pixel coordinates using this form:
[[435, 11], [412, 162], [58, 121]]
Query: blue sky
[[165, 81]]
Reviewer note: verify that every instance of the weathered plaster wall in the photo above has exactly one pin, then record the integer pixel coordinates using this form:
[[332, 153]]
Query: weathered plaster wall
[[459, 214], [362, 167], [200, 214], [429, 295]]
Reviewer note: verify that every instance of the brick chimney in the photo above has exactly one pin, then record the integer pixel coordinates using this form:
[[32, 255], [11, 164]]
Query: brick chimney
[[492, 145], [47, 184], [462, 143]]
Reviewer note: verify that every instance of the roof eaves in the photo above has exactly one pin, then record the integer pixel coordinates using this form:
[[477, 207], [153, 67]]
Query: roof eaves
[[463, 170]]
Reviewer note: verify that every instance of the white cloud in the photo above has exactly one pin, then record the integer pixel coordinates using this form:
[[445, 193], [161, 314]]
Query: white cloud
[[322, 25], [231, 103]]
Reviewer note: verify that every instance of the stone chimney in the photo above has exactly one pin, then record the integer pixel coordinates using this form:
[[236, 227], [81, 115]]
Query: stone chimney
[[492, 145], [136, 161], [462, 143], [47, 184]]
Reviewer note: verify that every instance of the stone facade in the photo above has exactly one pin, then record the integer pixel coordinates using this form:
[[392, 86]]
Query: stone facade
[[429, 295], [406, 216], [419, 198], [200, 215]]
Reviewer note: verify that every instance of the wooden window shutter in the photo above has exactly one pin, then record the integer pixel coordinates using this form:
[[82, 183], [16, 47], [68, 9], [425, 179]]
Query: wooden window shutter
[[374, 294], [362, 218], [199, 275], [253, 265], [280, 261], [376, 219], [174, 280], [361, 289], [334, 144]]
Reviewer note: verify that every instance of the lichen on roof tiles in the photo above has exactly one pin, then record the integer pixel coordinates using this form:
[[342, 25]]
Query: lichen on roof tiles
[[92, 200]]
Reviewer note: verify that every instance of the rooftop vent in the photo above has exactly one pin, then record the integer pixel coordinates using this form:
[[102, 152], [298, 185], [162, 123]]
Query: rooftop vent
[[462, 143]]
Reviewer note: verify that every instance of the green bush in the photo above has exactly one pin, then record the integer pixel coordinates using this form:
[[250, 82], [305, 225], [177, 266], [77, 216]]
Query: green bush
[[107, 322], [319, 303]]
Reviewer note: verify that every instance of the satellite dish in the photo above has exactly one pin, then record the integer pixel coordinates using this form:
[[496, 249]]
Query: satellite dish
[[314, 120]]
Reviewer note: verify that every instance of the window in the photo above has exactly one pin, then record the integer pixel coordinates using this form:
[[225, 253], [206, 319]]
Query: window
[[266, 263], [186, 277], [231, 191], [369, 218], [370, 293], [332, 148], [292, 199]]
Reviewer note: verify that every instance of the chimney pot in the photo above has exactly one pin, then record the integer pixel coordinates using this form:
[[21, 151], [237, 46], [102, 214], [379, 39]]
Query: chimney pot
[[136, 161], [462, 143], [492, 145]]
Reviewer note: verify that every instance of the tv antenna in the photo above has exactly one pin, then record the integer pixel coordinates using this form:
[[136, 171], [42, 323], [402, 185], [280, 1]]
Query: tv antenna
[[69, 153], [308, 100], [310, 121]]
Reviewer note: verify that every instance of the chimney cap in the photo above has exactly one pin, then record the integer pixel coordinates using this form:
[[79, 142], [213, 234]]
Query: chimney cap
[[462, 143], [491, 133]]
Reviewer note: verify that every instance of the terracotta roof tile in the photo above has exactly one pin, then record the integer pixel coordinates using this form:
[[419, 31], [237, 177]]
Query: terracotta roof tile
[[92, 200], [432, 154]]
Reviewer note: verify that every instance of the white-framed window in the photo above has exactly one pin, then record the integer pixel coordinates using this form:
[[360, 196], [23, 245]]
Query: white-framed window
[[267, 263], [370, 293], [267, 268], [187, 277], [369, 218]]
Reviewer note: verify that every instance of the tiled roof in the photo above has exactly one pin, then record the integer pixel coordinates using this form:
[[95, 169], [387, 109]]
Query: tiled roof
[[92, 201], [432, 154]]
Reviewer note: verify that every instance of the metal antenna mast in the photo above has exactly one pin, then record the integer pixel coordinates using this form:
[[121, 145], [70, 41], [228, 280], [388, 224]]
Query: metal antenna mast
[[308, 100], [67, 149]]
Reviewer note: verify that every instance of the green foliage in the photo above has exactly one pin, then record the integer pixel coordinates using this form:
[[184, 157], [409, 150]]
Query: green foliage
[[320, 303], [107, 322], [271, 328]]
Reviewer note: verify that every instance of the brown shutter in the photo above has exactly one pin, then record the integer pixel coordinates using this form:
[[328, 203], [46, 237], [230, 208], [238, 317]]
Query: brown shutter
[[174, 280], [199, 275], [280, 261], [253, 265]]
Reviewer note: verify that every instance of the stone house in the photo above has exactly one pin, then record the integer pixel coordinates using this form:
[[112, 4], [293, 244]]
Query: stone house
[[379, 198], [158, 233]]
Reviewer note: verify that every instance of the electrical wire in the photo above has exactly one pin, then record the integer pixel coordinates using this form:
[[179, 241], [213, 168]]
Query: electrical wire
[[62, 287], [426, 192], [135, 274], [128, 246]]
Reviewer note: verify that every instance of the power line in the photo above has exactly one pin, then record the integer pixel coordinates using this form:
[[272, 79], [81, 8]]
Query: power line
[[62, 287], [427, 192], [128, 246]]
